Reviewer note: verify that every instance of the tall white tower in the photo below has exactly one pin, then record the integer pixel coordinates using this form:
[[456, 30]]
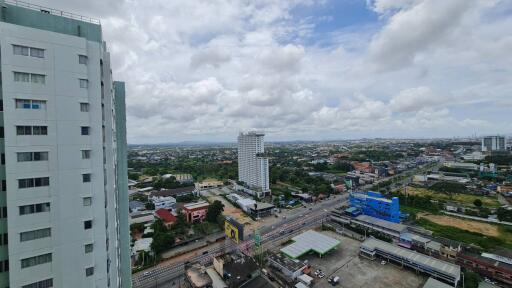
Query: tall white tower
[[252, 163], [63, 200]]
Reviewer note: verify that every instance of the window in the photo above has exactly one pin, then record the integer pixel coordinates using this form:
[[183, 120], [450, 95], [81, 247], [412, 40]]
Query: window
[[31, 130], [89, 271], [4, 185], [1, 131], [87, 201], [35, 234], [39, 104], [4, 212], [48, 283], [20, 50], [84, 83], [36, 260], [40, 130], [84, 107], [6, 265], [34, 208], [1, 105], [36, 52], [85, 130], [2, 159], [21, 77], [32, 156], [23, 130], [33, 182], [30, 104], [86, 178], [88, 248], [23, 104], [38, 78], [4, 240], [24, 51], [87, 224], [86, 154], [82, 59]]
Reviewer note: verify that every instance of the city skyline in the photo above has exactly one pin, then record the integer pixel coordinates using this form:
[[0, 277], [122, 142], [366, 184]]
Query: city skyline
[[309, 70]]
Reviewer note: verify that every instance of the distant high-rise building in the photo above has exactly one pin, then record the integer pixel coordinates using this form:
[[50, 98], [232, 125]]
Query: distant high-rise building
[[493, 143], [64, 207], [252, 163]]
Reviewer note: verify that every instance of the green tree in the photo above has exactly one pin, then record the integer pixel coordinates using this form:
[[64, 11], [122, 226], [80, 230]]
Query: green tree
[[477, 203], [471, 279], [180, 225], [149, 206], [504, 214], [162, 242], [137, 228], [159, 227], [214, 210]]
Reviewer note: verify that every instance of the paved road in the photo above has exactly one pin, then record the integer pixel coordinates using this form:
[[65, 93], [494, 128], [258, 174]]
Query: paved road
[[164, 276]]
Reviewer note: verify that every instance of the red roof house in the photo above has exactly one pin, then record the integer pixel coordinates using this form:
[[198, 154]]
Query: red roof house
[[166, 216]]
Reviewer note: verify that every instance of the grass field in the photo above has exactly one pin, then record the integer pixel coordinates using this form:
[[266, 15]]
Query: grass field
[[462, 198], [485, 241]]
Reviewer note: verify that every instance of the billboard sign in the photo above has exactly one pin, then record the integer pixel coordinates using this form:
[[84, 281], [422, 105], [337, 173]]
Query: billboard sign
[[234, 230]]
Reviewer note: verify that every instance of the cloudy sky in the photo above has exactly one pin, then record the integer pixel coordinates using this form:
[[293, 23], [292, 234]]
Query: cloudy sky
[[308, 69]]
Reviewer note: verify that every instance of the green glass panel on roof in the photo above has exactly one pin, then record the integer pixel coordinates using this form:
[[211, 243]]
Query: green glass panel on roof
[[28, 15]]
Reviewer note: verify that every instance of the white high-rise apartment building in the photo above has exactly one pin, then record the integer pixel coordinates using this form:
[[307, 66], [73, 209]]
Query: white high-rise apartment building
[[493, 143], [252, 164], [64, 207]]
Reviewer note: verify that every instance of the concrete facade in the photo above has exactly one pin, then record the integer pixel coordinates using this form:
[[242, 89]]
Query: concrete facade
[[252, 164], [65, 159]]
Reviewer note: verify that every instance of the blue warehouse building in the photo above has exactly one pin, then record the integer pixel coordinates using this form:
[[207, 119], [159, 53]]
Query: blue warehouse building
[[375, 205]]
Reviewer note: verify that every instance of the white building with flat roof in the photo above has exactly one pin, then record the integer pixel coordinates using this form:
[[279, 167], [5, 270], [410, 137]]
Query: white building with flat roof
[[63, 144], [493, 143], [252, 164], [164, 202]]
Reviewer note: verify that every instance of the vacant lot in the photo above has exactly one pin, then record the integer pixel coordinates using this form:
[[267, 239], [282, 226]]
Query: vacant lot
[[468, 225], [235, 212], [462, 198]]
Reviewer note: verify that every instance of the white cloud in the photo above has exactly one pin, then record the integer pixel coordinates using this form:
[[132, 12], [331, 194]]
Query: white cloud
[[207, 69], [413, 30], [415, 99]]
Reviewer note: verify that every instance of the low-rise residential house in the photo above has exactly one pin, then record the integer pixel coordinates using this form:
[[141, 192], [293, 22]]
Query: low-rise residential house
[[176, 192], [454, 207], [143, 244], [289, 268], [196, 277], [209, 183], [167, 217], [497, 267], [365, 167], [236, 269], [195, 212], [136, 206], [164, 202], [141, 217], [132, 184]]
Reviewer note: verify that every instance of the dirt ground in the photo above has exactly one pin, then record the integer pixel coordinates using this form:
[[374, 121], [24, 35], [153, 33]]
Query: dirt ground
[[473, 226], [235, 212]]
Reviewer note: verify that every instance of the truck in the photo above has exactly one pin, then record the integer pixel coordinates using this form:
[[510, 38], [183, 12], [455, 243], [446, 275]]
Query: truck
[[334, 280]]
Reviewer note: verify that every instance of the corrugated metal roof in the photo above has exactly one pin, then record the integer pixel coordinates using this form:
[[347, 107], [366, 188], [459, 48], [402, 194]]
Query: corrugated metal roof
[[310, 240], [427, 261]]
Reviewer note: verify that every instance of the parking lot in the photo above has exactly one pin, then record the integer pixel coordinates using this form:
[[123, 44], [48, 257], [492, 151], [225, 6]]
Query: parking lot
[[355, 271]]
